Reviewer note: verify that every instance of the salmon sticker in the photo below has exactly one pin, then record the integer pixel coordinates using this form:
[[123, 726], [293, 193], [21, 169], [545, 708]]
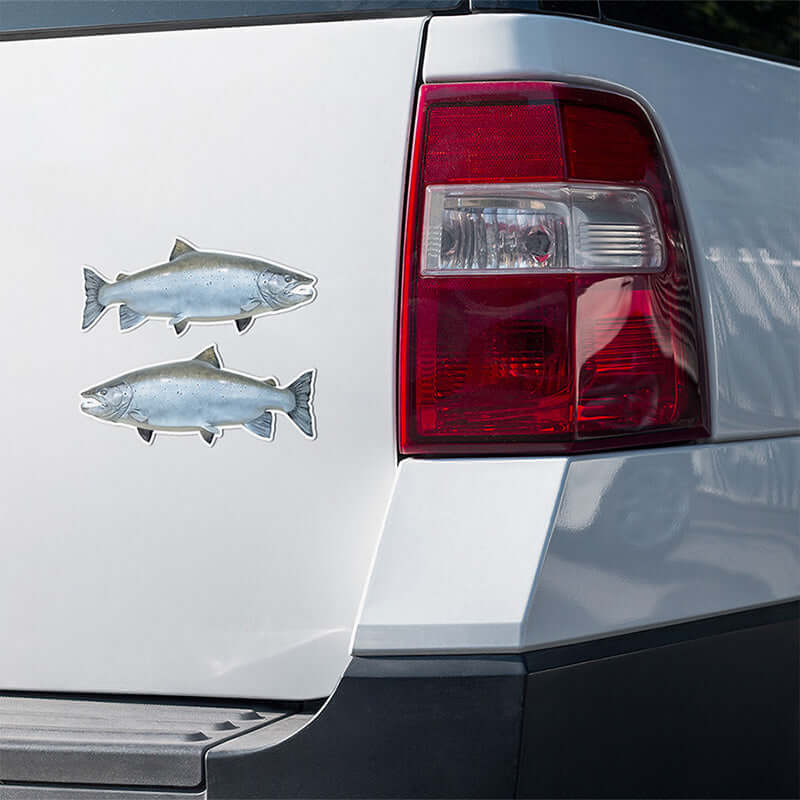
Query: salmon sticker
[[198, 286], [198, 395]]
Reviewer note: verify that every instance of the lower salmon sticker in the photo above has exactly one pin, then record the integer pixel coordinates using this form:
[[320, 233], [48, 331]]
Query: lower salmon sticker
[[198, 395]]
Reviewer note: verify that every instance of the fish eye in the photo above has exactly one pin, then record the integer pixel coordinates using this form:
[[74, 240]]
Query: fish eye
[[103, 392], [287, 279]]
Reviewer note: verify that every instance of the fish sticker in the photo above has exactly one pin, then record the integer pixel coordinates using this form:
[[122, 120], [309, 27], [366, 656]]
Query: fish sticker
[[198, 286], [198, 395]]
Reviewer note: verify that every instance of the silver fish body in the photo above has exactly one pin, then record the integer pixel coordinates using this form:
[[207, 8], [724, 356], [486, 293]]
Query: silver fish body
[[197, 285], [194, 395], [199, 395]]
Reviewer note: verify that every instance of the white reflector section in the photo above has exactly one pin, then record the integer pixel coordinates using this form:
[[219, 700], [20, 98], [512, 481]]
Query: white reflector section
[[540, 227]]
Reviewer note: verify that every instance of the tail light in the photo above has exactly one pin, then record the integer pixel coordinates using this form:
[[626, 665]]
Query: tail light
[[547, 301]]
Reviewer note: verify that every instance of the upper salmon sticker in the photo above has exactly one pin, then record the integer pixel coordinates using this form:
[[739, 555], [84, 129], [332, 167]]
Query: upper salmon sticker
[[198, 286]]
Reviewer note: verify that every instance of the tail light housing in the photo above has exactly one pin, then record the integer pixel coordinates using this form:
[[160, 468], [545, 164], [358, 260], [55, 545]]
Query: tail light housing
[[547, 301]]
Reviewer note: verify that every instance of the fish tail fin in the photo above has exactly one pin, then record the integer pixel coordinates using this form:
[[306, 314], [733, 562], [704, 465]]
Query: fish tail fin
[[92, 284], [303, 412]]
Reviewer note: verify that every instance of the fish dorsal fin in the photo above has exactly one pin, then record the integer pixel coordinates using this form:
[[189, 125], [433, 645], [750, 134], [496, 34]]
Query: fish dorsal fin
[[269, 382], [122, 276], [181, 247], [209, 355]]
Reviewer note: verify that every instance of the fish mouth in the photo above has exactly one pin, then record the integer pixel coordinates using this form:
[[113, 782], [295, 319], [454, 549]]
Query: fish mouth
[[304, 290], [89, 403]]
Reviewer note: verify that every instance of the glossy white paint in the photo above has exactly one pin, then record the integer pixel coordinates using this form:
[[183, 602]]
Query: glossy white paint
[[178, 569], [729, 123], [462, 544], [470, 561]]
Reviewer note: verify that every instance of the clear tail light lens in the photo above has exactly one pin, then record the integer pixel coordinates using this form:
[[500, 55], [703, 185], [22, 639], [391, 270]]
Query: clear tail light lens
[[547, 302], [539, 228]]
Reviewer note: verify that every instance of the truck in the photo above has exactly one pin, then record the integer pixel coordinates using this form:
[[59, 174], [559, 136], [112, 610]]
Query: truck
[[403, 399]]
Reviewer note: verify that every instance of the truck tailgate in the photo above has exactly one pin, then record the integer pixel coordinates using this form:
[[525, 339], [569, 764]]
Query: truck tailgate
[[234, 570]]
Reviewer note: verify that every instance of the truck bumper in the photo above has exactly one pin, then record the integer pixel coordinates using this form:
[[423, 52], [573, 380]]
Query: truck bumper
[[701, 709]]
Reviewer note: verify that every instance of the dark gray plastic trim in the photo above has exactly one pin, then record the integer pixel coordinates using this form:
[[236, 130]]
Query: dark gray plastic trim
[[516, 725], [47, 19], [411, 727], [9, 792], [113, 743]]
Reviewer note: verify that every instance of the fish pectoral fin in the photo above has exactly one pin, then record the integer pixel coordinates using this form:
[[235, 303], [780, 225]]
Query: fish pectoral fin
[[137, 415], [261, 426], [243, 323], [180, 323], [146, 434], [210, 434], [251, 304], [210, 356], [128, 318], [180, 248]]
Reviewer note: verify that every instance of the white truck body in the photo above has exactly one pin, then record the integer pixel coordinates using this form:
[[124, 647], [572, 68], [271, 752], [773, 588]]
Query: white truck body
[[259, 570]]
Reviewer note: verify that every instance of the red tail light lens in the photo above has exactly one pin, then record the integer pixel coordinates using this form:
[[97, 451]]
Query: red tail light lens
[[547, 301]]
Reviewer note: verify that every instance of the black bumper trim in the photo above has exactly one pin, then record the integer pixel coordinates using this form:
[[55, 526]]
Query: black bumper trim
[[707, 708]]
